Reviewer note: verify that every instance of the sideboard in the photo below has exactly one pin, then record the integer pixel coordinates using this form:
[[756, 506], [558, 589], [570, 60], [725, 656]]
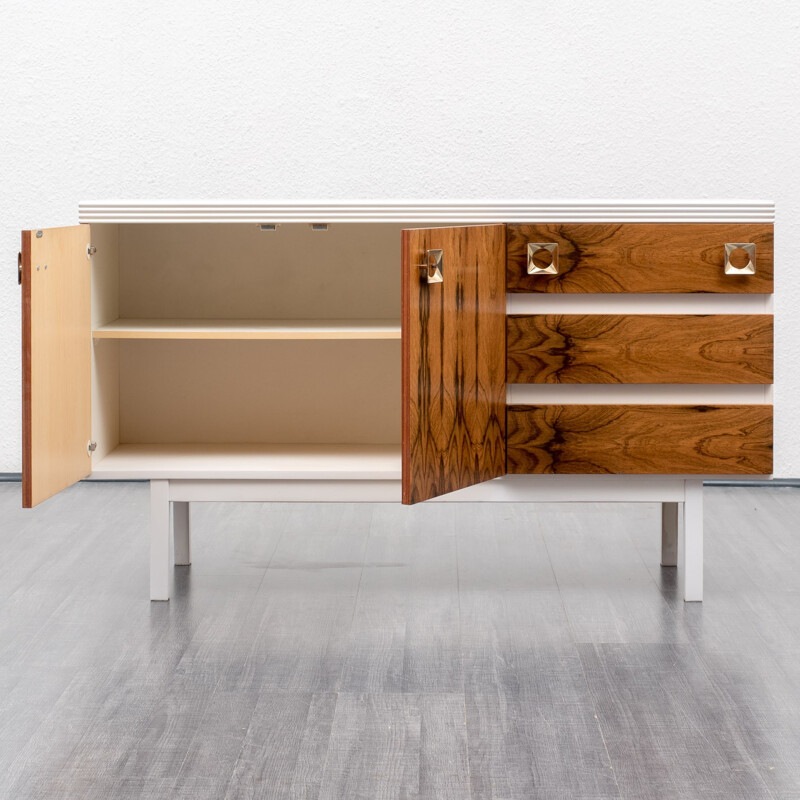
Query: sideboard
[[383, 351]]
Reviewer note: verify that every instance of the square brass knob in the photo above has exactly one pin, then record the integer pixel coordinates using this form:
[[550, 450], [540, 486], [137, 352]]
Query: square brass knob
[[431, 270], [740, 258], [542, 258]]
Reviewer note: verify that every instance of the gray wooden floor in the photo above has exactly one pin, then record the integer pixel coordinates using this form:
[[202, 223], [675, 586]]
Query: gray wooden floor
[[355, 651]]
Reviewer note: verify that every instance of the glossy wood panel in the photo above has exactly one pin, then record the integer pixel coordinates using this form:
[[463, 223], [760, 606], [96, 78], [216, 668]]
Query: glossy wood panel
[[56, 360], [640, 439], [454, 353], [640, 348], [640, 257]]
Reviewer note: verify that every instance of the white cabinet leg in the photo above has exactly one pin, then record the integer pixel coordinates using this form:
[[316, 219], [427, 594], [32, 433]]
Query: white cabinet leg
[[693, 541], [160, 562], [669, 534], [181, 534]]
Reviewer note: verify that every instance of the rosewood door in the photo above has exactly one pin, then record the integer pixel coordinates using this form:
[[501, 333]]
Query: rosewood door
[[454, 353], [56, 360]]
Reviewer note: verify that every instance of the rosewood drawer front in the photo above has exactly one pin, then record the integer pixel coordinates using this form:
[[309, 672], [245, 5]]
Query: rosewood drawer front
[[640, 439], [640, 348], [640, 257]]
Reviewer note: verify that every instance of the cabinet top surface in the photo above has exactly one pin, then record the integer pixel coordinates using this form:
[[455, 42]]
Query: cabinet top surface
[[419, 212]]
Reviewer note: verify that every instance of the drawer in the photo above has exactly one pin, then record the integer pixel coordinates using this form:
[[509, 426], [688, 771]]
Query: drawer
[[640, 439], [639, 348], [638, 257]]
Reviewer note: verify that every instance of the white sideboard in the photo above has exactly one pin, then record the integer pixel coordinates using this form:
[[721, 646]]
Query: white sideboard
[[295, 351]]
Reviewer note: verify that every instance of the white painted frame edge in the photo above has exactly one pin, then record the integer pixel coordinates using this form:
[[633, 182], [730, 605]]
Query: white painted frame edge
[[424, 211], [509, 489]]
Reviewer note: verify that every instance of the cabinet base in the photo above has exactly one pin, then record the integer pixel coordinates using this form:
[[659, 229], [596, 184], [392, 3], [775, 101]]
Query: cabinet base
[[170, 534]]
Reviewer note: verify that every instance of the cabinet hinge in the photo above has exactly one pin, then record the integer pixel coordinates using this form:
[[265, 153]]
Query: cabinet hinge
[[91, 447], [91, 250]]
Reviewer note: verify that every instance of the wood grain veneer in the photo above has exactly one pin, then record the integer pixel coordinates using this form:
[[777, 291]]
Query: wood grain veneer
[[640, 348], [640, 439], [453, 343], [56, 382], [640, 257]]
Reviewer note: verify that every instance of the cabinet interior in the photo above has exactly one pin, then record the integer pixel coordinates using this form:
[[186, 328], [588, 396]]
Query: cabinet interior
[[226, 342]]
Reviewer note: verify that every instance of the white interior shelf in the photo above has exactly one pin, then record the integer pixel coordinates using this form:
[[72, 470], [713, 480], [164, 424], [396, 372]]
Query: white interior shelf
[[251, 462], [286, 329]]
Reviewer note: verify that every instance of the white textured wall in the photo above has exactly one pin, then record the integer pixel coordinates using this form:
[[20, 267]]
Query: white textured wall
[[358, 99]]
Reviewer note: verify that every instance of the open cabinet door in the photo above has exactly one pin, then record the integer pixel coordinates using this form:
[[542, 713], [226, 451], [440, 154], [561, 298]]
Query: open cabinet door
[[454, 358], [56, 360]]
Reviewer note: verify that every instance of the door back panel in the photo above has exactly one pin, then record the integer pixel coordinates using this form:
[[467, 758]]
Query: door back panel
[[56, 360]]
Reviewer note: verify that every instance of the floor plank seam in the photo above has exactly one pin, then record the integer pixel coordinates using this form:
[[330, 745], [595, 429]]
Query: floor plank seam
[[468, 760], [597, 715], [573, 636]]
